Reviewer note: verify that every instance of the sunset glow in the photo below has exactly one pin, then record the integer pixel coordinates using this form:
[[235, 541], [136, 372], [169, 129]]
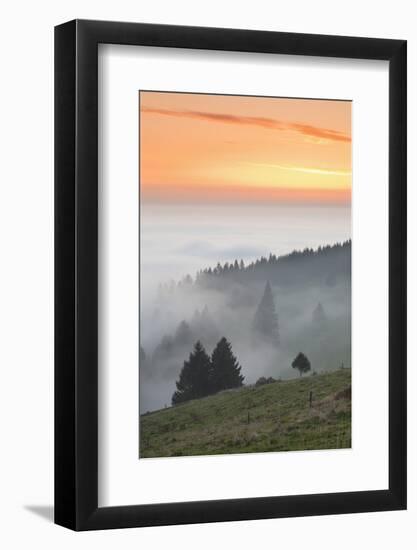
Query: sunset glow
[[213, 148]]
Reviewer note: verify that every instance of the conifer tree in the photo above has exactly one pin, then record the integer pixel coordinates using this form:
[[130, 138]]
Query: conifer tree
[[164, 349], [145, 364], [183, 334], [194, 380], [265, 322], [225, 369], [319, 315]]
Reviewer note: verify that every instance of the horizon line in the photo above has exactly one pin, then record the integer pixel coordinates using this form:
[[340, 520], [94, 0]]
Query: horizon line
[[242, 194]]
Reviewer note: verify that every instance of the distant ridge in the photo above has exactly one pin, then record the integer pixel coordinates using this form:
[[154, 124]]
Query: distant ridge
[[326, 265]]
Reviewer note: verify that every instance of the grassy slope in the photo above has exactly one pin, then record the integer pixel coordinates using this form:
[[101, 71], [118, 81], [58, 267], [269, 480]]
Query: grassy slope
[[280, 419]]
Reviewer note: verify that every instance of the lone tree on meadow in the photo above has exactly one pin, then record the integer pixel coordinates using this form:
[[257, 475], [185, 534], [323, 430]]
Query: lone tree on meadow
[[194, 380], [265, 323], [225, 369], [301, 363]]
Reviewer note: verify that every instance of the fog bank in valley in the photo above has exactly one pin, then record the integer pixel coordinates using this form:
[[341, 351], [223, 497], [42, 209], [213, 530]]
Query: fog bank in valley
[[221, 286]]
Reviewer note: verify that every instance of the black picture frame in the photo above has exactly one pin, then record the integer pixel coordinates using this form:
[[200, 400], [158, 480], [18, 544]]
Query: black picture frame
[[76, 273]]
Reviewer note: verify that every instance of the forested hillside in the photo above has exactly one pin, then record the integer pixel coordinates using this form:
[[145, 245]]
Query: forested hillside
[[269, 310]]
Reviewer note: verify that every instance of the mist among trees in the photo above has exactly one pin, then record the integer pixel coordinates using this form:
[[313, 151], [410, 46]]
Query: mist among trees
[[262, 314], [265, 323]]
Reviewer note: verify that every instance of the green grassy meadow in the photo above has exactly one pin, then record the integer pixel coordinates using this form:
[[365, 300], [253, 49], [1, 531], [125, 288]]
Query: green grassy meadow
[[272, 417]]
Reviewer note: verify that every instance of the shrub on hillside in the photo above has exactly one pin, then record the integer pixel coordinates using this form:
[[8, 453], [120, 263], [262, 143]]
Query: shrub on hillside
[[262, 381]]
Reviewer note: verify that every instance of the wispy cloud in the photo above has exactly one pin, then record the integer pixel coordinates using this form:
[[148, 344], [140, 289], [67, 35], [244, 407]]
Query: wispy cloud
[[263, 122], [306, 169]]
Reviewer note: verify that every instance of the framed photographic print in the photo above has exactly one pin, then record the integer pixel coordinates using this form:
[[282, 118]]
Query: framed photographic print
[[230, 252]]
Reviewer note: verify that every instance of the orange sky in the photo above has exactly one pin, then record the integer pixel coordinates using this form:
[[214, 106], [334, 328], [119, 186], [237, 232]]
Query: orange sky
[[242, 149]]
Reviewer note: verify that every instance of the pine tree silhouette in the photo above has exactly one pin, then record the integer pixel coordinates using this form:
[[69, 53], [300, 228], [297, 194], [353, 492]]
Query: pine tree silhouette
[[225, 369], [265, 323], [194, 380], [164, 349], [319, 316], [183, 334], [145, 365]]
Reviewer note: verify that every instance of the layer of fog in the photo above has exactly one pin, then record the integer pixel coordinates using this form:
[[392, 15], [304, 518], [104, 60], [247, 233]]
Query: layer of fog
[[180, 239]]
